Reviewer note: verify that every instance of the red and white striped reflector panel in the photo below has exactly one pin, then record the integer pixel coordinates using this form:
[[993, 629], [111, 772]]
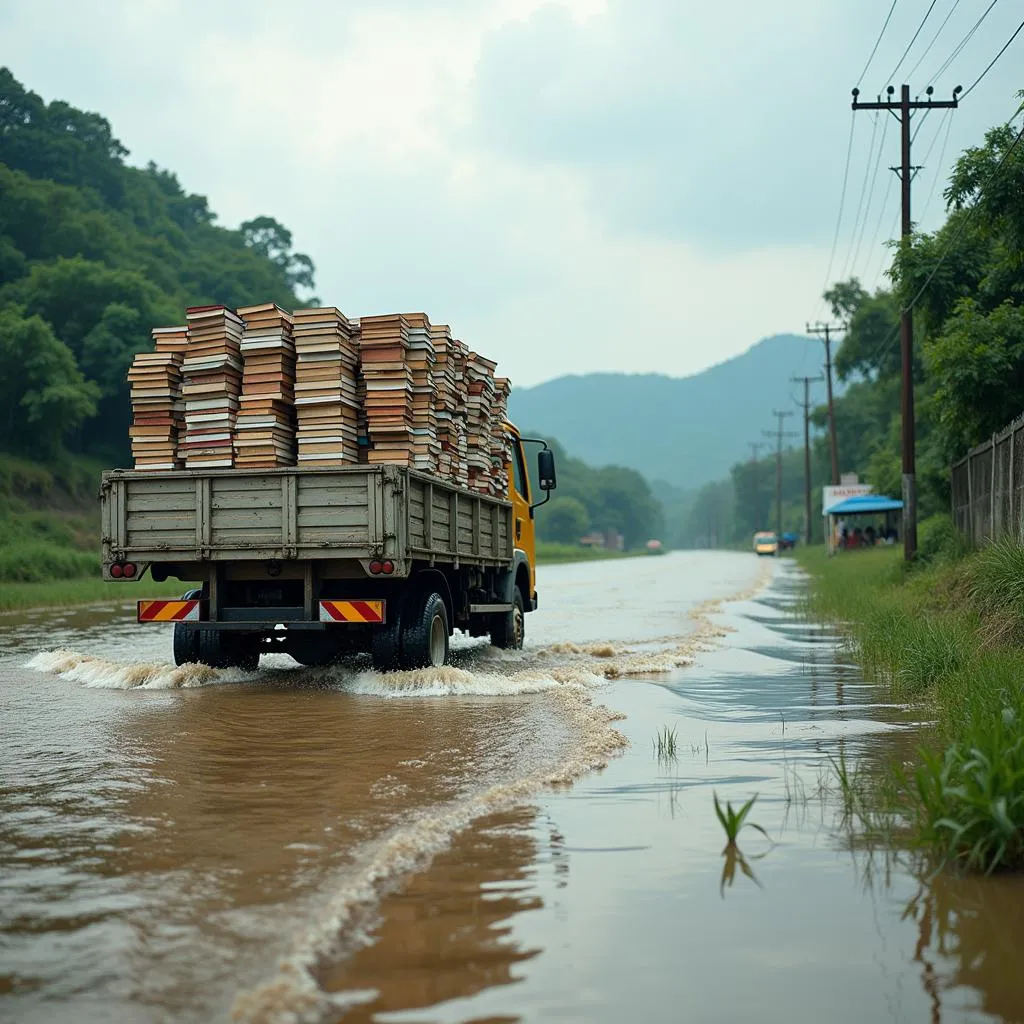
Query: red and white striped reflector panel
[[351, 611], [169, 611]]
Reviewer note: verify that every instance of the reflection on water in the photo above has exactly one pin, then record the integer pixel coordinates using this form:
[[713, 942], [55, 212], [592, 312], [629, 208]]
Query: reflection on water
[[396, 842], [625, 917]]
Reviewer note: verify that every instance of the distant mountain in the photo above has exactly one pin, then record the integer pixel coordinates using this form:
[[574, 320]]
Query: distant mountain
[[682, 430]]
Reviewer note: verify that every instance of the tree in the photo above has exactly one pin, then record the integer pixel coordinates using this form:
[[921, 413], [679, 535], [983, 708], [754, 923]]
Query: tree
[[273, 241], [48, 396], [565, 520]]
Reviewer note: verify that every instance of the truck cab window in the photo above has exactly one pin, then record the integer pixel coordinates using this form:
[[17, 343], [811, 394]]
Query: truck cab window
[[519, 469]]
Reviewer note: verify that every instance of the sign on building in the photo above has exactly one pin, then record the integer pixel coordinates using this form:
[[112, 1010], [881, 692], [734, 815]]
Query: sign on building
[[833, 495]]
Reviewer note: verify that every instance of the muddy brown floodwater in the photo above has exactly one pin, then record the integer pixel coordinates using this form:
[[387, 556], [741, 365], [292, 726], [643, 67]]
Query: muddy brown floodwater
[[493, 841]]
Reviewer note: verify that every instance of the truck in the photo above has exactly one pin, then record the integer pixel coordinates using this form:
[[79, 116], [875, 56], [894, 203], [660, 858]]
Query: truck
[[321, 563]]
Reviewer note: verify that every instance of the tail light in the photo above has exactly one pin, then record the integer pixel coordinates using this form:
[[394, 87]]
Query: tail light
[[387, 567], [129, 570], [116, 571], [376, 568]]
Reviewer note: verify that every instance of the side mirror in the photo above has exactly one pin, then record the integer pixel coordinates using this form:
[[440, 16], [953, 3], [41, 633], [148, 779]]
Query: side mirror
[[546, 469]]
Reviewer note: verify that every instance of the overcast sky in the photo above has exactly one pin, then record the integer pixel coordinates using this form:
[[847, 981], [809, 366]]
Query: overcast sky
[[574, 185]]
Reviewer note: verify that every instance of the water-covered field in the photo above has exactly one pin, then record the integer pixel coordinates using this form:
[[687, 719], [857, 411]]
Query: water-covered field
[[497, 840]]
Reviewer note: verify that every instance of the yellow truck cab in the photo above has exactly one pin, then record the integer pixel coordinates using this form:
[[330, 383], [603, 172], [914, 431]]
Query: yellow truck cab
[[766, 543]]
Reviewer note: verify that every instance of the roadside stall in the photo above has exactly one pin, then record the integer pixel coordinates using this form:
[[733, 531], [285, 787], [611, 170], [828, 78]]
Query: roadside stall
[[852, 522]]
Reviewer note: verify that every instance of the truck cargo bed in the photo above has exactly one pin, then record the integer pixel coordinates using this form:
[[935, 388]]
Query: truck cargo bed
[[355, 512]]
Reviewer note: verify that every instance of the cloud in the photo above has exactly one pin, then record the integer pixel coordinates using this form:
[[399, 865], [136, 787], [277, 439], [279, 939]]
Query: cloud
[[644, 185]]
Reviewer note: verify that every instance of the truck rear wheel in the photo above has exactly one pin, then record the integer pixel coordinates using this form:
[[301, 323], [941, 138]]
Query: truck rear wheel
[[185, 643], [425, 633], [387, 639], [219, 650], [509, 628]]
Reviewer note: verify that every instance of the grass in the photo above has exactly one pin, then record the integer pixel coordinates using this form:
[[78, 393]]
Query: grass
[[947, 636], [65, 593], [550, 553], [666, 744], [733, 821]]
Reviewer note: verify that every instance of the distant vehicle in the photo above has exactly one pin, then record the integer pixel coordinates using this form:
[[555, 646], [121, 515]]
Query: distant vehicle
[[655, 547], [766, 543], [788, 541]]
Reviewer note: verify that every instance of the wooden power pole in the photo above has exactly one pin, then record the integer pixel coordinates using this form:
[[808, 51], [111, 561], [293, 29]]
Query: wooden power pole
[[901, 109], [806, 406], [825, 331], [755, 449], [778, 434]]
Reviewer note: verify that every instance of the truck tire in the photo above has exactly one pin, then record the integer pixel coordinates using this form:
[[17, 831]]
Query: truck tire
[[509, 628], [425, 632], [220, 650], [185, 643], [387, 639]]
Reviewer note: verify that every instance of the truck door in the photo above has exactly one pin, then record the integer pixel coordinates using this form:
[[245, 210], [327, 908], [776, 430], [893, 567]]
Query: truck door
[[522, 519]]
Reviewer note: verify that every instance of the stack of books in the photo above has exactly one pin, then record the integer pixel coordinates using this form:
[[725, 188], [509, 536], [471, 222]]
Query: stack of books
[[265, 428], [157, 412], [264, 388], [212, 386], [327, 401], [426, 446], [384, 351], [479, 376], [501, 455], [444, 397]]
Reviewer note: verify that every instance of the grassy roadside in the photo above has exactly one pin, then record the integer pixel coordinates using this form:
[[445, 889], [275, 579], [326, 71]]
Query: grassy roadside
[[947, 637], [549, 553], [17, 596]]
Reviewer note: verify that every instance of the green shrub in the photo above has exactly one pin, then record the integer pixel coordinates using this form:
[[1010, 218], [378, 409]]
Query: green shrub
[[38, 561], [938, 540]]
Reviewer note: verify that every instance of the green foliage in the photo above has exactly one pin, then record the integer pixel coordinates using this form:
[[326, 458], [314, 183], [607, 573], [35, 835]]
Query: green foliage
[[93, 255], [43, 394], [550, 553], [39, 561], [970, 799], [949, 634], [939, 541], [612, 497], [566, 519], [733, 821]]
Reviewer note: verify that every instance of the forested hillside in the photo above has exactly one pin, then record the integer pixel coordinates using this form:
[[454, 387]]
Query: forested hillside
[[606, 498], [93, 254], [683, 430], [965, 285]]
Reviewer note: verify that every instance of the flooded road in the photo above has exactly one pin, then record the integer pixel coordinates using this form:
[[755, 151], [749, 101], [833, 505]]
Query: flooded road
[[478, 842]]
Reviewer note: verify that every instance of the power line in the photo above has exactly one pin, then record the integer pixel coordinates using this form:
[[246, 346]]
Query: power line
[[871, 195], [952, 240], [842, 204], [860, 202], [992, 64], [964, 220], [874, 49], [938, 164], [928, 48], [899, 63], [963, 42], [878, 232]]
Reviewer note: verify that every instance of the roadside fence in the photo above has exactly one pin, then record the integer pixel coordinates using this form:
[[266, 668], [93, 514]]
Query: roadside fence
[[988, 487]]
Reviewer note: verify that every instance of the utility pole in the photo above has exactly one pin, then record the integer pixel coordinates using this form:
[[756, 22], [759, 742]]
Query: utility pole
[[806, 406], [779, 434], [825, 331], [755, 449], [904, 105]]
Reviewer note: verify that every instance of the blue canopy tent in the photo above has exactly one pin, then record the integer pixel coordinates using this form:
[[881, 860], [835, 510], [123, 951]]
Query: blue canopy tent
[[864, 504], [860, 505]]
